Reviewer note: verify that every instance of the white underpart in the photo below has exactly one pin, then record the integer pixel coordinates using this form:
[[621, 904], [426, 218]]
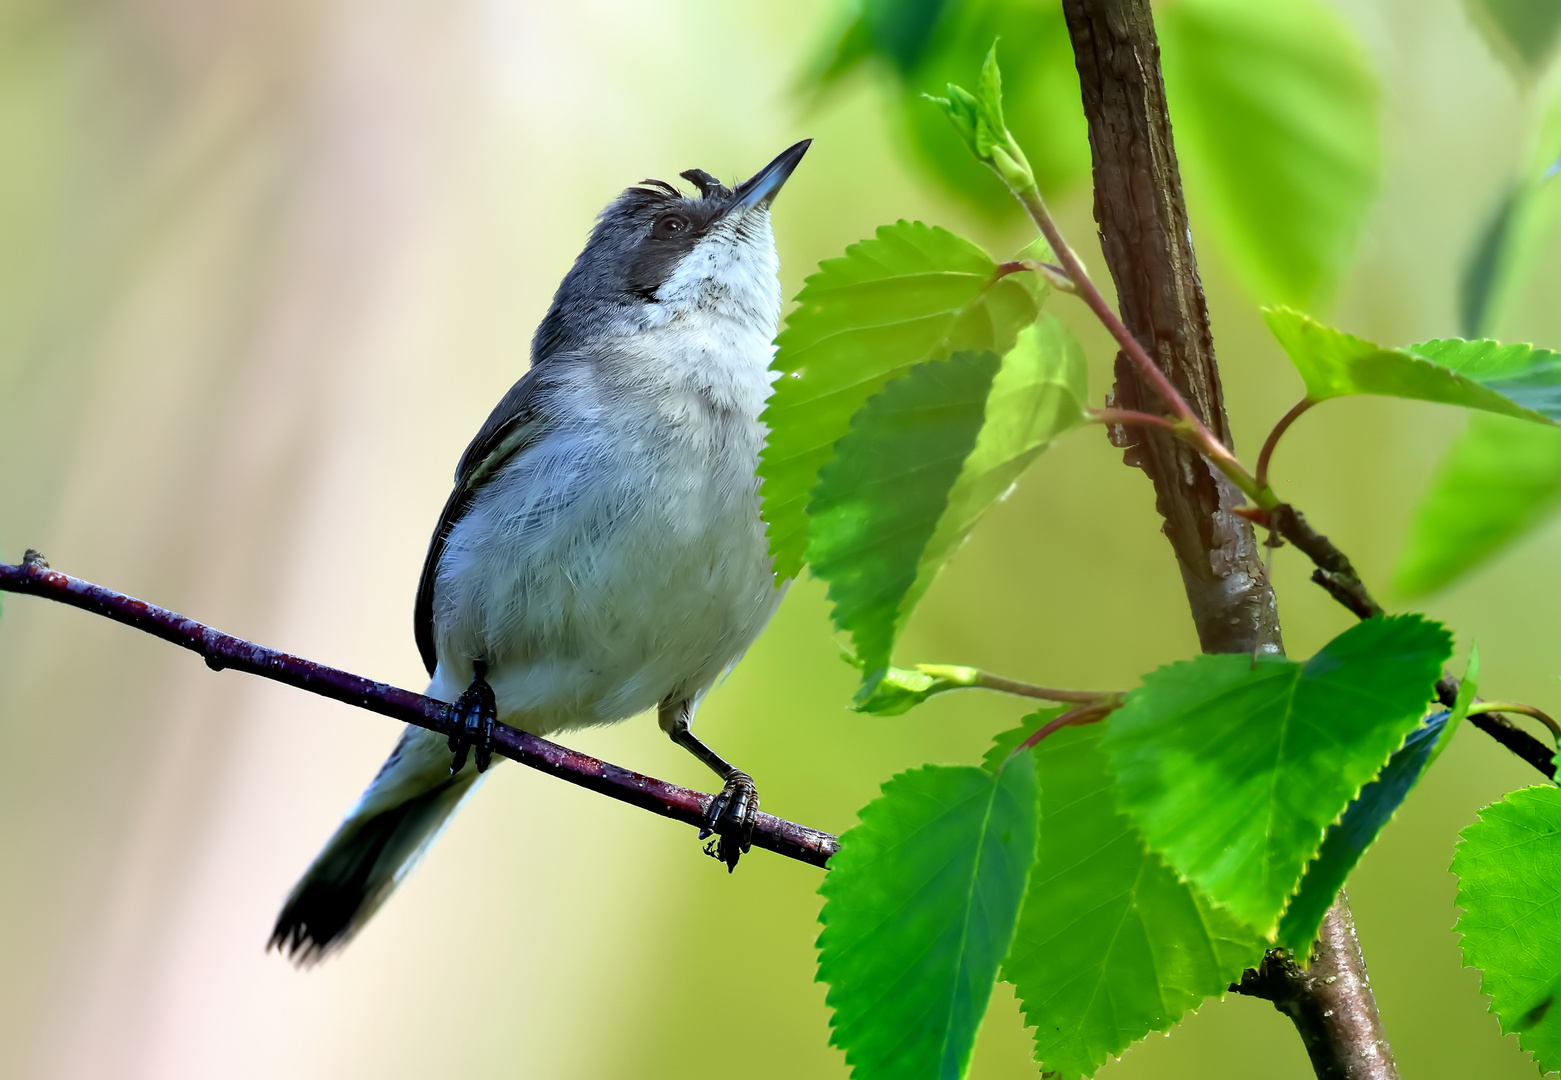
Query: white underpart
[[622, 562]]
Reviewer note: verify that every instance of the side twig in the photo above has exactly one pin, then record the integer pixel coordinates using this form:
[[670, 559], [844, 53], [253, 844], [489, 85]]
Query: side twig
[[34, 578]]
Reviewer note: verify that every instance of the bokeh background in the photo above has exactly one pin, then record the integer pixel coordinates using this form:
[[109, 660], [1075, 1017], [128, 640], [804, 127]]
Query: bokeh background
[[264, 267]]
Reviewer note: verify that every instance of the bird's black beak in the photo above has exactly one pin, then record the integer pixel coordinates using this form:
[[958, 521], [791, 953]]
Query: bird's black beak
[[761, 188]]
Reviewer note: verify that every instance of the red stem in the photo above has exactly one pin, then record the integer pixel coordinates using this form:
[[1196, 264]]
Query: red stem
[[1273, 437]]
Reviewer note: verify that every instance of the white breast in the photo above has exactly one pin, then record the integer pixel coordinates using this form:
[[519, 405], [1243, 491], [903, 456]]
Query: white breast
[[621, 561]]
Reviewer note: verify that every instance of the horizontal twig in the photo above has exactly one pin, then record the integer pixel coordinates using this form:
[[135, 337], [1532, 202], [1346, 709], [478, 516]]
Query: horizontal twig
[[34, 578]]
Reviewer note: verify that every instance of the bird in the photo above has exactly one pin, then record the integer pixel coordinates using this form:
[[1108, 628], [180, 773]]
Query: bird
[[601, 553]]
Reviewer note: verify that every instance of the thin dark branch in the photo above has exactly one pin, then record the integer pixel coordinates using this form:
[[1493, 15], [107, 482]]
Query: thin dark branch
[[1339, 575], [33, 577]]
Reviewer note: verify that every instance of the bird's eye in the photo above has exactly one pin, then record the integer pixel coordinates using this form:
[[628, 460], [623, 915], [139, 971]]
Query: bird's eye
[[669, 225]]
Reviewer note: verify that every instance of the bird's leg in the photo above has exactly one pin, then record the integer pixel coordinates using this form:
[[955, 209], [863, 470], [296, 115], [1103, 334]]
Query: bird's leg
[[731, 814], [471, 721]]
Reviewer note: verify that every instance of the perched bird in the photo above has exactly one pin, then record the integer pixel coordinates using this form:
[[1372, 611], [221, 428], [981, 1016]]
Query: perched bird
[[602, 552]]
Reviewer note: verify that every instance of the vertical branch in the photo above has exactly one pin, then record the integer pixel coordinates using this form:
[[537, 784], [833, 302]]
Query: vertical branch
[[1144, 234], [1148, 248]]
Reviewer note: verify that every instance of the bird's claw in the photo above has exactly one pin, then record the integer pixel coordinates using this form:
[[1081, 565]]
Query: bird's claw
[[730, 818], [472, 718]]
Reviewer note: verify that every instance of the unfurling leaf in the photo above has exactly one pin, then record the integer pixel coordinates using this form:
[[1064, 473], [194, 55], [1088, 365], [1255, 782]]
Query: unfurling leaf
[[1511, 380], [911, 294], [899, 690], [1233, 768], [1110, 944], [1500, 481], [920, 904], [978, 120], [1509, 886], [923, 461]]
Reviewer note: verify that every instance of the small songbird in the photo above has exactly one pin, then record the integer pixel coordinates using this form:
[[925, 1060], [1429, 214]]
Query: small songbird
[[602, 552]]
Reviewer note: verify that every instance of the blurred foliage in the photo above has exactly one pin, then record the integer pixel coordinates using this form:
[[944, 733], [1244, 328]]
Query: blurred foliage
[[1275, 109], [1500, 481], [1522, 32], [1275, 112]]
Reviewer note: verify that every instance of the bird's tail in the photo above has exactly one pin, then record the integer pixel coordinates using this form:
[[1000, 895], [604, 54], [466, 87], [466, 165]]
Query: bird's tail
[[382, 838]]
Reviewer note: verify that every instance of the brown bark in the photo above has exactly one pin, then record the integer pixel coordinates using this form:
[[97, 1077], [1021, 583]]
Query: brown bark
[[1144, 235]]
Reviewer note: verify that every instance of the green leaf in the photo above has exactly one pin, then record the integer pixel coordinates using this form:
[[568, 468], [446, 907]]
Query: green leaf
[[879, 499], [1509, 886], [1275, 109], [1523, 33], [1350, 836], [1233, 768], [1529, 377], [902, 29], [923, 461], [1110, 944], [911, 294], [919, 910], [1512, 380], [1500, 481], [1006, 742]]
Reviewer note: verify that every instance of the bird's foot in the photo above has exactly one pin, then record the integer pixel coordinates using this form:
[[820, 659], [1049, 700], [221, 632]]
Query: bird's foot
[[730, 818], [471, 725]]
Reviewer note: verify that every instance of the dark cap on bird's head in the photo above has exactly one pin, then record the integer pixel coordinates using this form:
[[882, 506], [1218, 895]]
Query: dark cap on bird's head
[[644, 236]]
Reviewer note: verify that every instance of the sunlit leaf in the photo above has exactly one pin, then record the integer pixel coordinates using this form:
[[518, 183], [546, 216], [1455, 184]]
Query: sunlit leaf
[[920, 905], [1234, 767], [1523, 33], [924, 460], [1500, 481], [1275, 111], [879, 498], [911, 294], [1512, 380], [1350, 836], [1509, 886], [1110, 944]]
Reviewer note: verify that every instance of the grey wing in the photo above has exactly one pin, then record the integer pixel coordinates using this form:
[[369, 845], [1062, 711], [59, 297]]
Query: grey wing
[[517, 421]]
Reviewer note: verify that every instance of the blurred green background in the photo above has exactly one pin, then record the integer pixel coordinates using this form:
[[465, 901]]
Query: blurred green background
[[264, 267]]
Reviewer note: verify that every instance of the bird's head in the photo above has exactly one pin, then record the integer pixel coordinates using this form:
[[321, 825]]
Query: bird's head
[[658, 255]]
